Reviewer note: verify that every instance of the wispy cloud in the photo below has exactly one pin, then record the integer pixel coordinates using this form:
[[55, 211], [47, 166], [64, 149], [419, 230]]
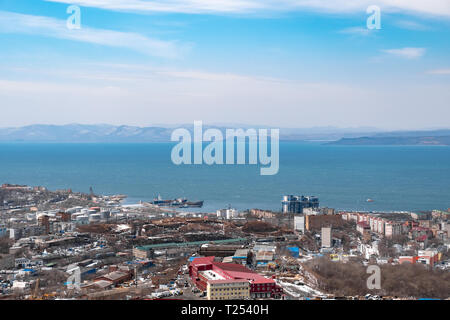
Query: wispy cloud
[[412, 25], [178, 6], [408, 53], [45, 26], [431, 7], [440, 71], [359, 31]]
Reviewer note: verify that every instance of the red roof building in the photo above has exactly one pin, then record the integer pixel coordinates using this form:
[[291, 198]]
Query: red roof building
[[260, 287]]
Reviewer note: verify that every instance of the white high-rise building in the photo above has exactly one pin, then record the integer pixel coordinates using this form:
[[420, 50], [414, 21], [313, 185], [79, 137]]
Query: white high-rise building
[[299, 223], [326, 237], [227, 213]]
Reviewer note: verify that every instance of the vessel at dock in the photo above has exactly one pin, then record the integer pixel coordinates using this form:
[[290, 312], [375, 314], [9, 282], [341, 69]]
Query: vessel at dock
[[195, 204], [180, 203]]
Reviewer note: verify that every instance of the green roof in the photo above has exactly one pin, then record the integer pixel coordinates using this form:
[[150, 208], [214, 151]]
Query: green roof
[[188, 244]]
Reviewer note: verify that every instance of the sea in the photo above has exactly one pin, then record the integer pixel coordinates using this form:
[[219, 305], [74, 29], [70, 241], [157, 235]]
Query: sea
[[397, 178]]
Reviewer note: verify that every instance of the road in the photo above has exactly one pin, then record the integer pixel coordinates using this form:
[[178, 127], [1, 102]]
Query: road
[[187, 292]]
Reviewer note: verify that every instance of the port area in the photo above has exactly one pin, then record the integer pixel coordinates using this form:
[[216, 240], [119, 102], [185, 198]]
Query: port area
[[68, 245]]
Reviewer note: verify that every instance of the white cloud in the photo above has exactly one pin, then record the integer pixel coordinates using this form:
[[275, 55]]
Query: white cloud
[[38, 25], [439, 71], [360, 31], [408, 53], [411, 25], [179, 6], [428, 7]]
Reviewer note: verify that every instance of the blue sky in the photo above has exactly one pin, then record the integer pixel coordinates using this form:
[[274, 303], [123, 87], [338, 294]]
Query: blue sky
[[286, 63]]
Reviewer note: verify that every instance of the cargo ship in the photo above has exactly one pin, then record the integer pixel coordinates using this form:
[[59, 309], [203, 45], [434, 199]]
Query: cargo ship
[[194, 204], [180, 203]]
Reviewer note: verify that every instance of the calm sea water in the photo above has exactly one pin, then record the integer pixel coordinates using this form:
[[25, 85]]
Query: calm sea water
[[343, 177]]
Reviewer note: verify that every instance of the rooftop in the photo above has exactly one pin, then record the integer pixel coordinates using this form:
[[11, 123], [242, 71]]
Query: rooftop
[[232, 270], [212, 275], [187, 244]]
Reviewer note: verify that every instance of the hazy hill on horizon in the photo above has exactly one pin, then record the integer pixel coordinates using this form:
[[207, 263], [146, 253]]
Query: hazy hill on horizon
[[83, 133]]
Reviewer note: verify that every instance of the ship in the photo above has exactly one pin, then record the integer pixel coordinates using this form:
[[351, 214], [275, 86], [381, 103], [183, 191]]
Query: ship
[[180, 203], [195, 204], [370, 200]]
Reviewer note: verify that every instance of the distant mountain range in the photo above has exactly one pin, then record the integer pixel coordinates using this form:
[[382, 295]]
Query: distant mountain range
[[84, 133], [133, 134], [435, 137], [430, 141], [81, 133]]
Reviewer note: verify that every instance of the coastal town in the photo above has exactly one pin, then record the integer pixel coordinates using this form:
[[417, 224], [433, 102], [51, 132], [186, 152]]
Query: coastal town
[[61, 244]]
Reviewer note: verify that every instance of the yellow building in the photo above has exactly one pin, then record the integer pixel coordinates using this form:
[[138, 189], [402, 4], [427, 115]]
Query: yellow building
[[228, 289]]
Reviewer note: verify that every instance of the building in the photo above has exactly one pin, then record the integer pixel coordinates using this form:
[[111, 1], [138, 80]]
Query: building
[[326, 210], [316, 222], [318, 211], [220, 288], [420, 215], [7, 186], [263, 255], [445, 226], [263, 213], [368, 250], [241, 256], [64, 216], [407, 259], [142, 253], [174, 253], [206, 272], [362, 227], [427, 257], [326, 237], [218, 250], [443, 215], [44, 221], [393, 229], [227, 213], [377, 224], [296, 204], [299, 223], [115, 277], [4, 232]]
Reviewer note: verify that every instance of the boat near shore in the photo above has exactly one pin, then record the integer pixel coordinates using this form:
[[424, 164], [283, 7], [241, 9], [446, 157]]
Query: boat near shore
[[179, 203]]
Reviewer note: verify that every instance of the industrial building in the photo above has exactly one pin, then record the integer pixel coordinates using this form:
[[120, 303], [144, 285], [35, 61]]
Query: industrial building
[[145, 252]]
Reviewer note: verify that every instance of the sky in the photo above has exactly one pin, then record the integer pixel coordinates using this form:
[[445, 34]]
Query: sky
[[280, 63]]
